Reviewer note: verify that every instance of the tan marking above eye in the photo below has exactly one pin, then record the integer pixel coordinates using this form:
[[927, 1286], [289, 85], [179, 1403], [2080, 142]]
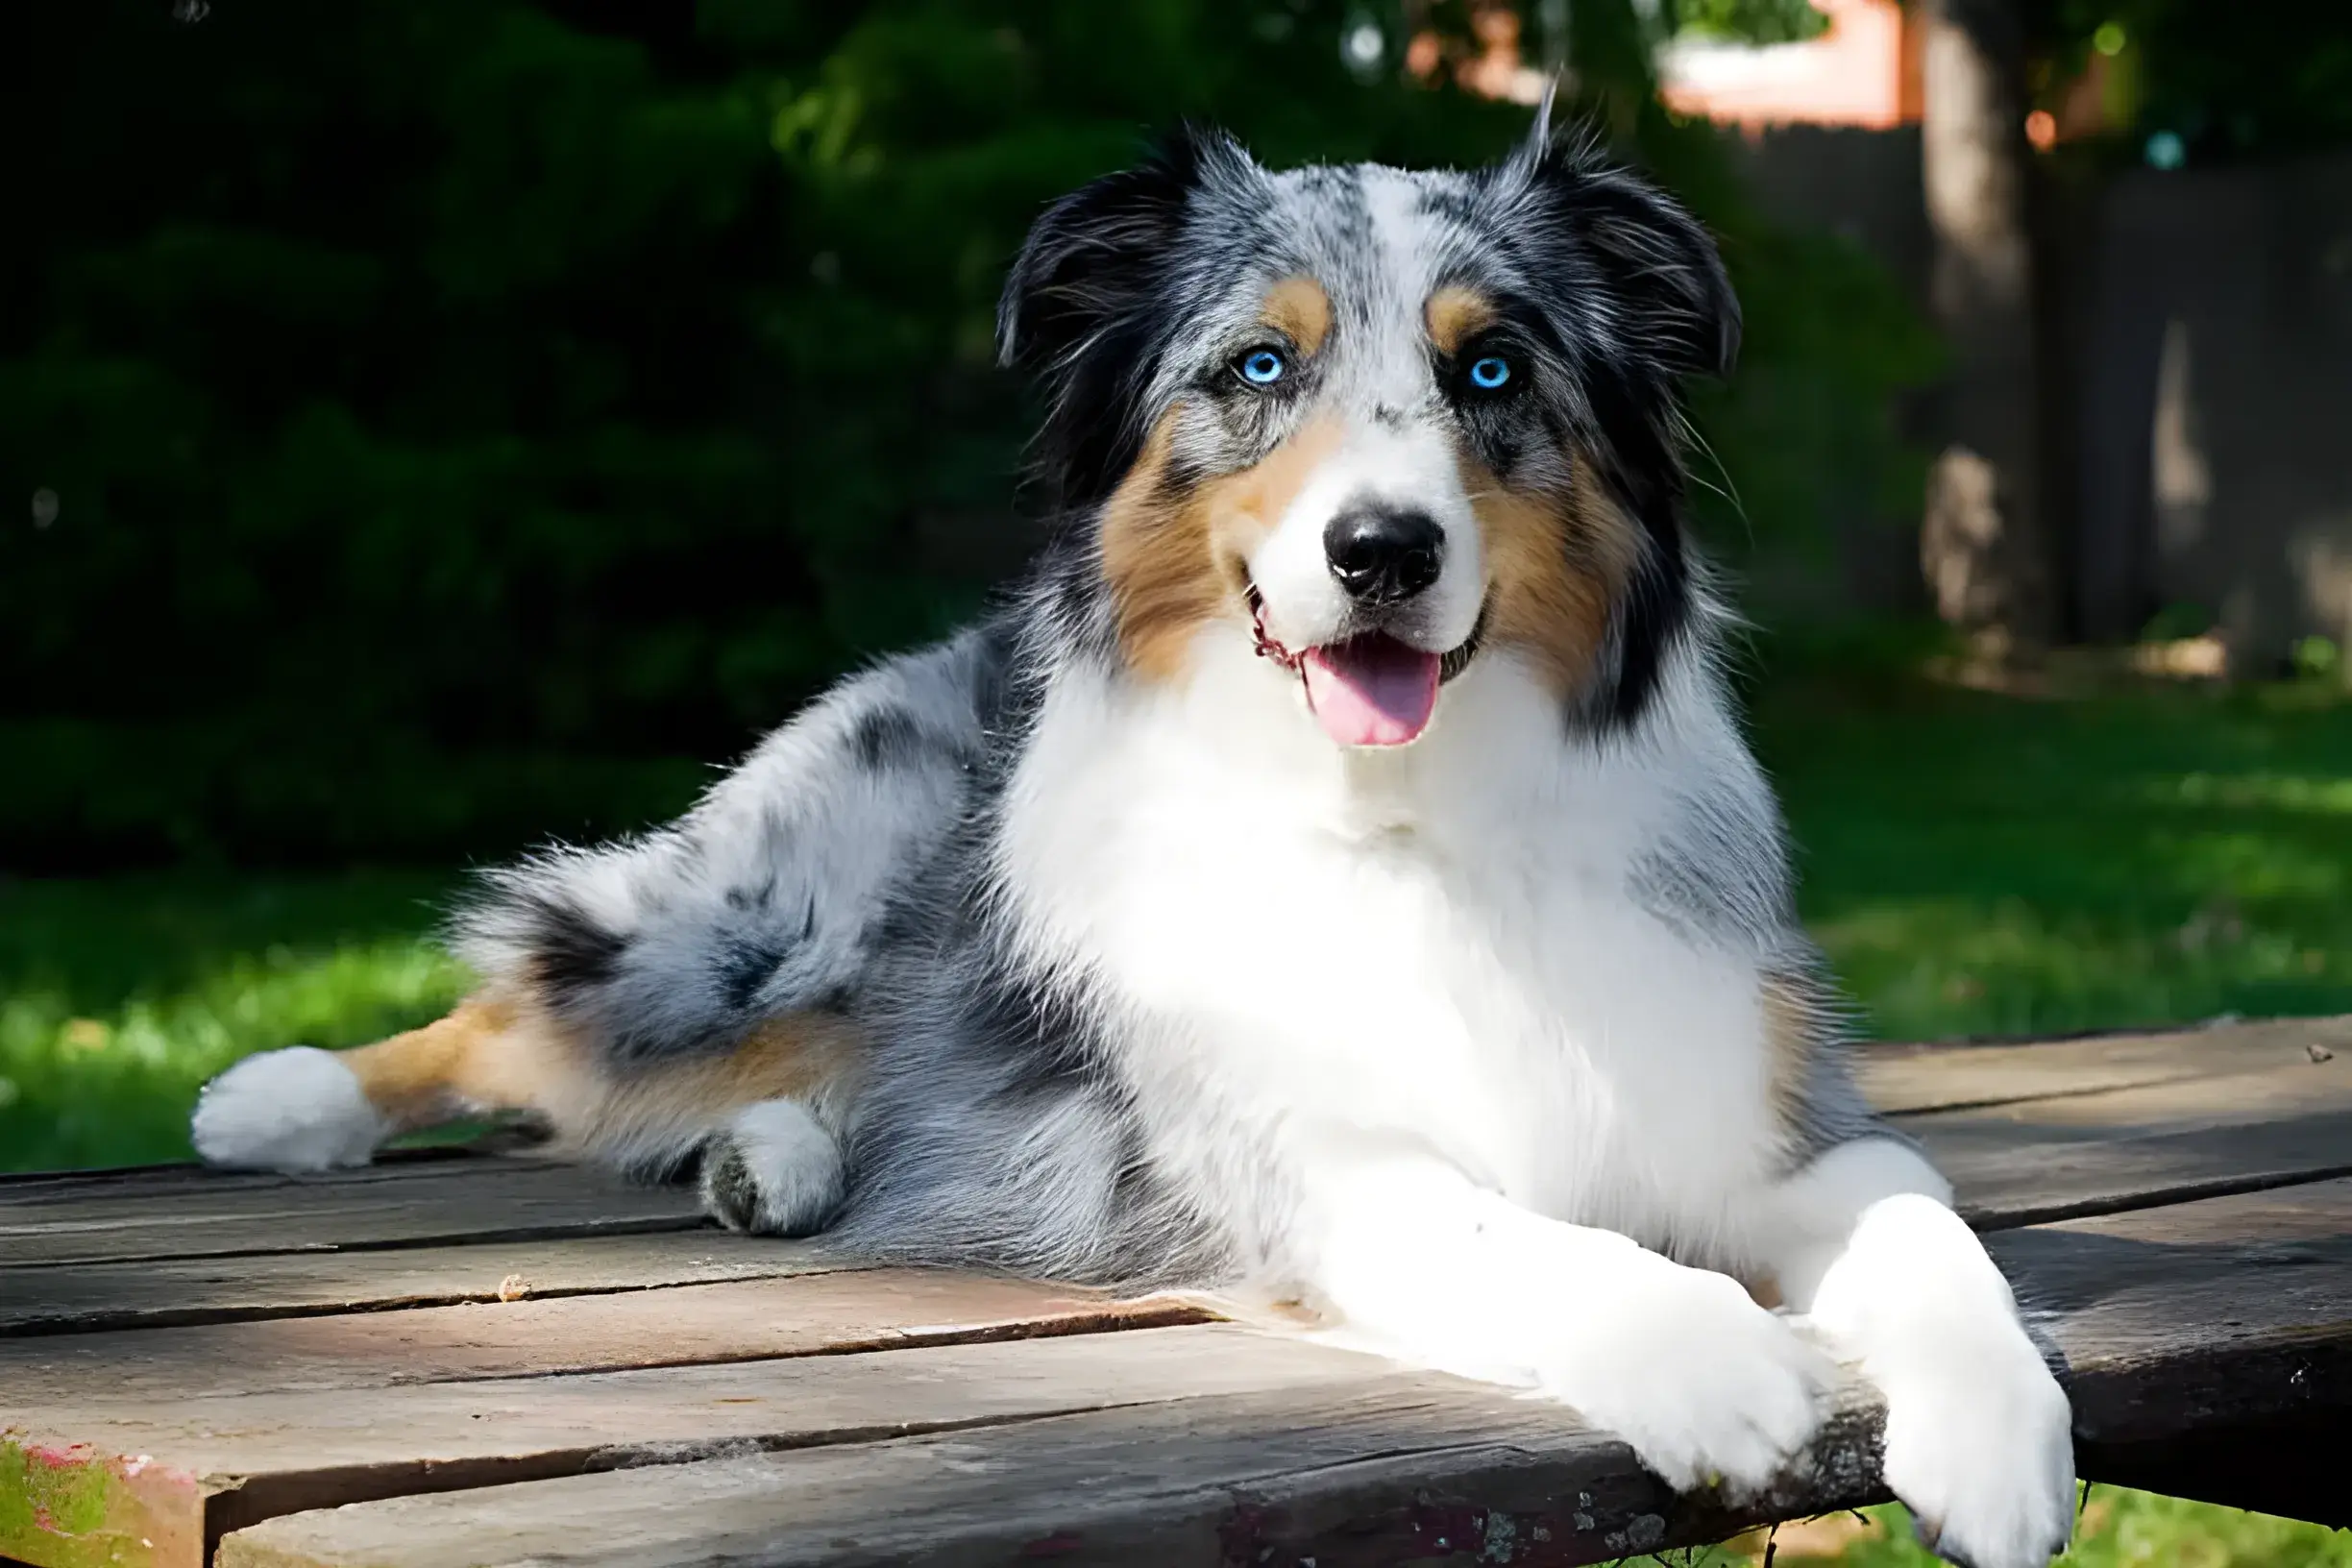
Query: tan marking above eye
[[1299, 310], [1453, 313]]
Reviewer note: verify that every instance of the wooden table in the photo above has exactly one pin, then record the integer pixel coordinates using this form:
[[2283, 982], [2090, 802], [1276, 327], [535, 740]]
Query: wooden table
[[465, 1358]]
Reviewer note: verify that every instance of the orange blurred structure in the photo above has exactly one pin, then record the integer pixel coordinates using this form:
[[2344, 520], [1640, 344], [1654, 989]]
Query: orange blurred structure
[[1864, 70]]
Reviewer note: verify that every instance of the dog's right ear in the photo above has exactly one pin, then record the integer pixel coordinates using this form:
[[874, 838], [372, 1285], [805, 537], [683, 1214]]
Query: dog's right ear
[[1095, 252]]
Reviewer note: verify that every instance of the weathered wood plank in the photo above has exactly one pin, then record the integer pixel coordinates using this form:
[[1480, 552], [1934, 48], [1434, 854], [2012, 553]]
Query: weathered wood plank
[[2113, 1149], [2155, 1126], [491, 1199], [816, 1313], [1412, 1469], [87, 1298], [26, 1188], [180, 1474], [1900, 1079], [2210, 1343], [2231, 1315]]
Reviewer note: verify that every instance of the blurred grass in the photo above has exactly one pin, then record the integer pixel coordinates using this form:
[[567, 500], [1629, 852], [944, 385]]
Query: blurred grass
[[119, 996], [2115, 1529], [1985, 865], [1975, 864]]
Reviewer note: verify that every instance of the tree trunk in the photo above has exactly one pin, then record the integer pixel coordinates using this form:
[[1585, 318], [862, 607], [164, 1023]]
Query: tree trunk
[[1982, 543]]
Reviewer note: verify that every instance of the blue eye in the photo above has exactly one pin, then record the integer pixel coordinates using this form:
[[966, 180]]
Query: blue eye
[[1262, 367], [1490, 373]]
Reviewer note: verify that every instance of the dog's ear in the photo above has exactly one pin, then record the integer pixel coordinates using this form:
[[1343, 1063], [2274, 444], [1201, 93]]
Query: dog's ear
[[1095, 250], [1082, 310], [1660, 260]]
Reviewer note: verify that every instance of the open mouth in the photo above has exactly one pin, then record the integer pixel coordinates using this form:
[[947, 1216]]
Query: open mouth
[[1370, 689]]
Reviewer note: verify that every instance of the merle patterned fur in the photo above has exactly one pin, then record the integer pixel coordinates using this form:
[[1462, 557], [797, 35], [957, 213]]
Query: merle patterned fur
[[847, 864]]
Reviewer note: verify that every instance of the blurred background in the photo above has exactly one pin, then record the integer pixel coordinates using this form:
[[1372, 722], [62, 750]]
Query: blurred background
[[431, 426]]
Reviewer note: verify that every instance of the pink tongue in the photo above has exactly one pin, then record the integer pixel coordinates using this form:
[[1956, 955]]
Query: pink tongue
[[1371, 691]]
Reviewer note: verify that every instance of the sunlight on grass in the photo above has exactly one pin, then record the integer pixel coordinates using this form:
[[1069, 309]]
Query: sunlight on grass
[[2261, 792], [1938, 968], [1977, 865], [99, 1064], [2117, 1528]]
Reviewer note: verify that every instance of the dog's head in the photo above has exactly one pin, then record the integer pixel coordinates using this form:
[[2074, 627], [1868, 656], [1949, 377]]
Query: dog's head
[[1376, 420]]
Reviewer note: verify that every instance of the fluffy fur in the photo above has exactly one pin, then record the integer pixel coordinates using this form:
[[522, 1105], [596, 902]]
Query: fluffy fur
[[1076, 946]]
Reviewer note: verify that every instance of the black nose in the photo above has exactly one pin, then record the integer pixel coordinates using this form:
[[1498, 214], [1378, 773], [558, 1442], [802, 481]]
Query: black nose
[[1382, 554]]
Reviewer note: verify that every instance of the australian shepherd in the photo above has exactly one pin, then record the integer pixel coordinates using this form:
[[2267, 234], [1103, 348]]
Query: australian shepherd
[[1334, 871]]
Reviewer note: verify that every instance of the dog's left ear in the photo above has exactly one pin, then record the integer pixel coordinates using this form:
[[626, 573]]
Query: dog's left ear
[[1660, 261]]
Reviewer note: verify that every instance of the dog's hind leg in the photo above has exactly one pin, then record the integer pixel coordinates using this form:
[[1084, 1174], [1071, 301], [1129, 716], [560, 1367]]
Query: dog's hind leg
[[649, 996], [304, 1108], [770, 1104]]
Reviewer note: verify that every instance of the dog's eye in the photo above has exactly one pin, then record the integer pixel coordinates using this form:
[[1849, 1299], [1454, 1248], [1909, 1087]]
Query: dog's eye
[[1490, 373], [1260, 367]]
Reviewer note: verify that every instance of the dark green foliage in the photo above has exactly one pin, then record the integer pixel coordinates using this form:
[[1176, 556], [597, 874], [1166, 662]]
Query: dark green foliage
[[433, 390], [1750, 21], [2231, 82]]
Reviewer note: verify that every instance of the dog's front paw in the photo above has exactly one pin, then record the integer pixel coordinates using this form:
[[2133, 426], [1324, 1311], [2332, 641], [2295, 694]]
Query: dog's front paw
[[772, 1170], [1707, 1386], [1979, 1448], [295, 1109]]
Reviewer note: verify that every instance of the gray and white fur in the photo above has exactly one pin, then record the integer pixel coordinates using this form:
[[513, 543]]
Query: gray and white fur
[[1335, 872]]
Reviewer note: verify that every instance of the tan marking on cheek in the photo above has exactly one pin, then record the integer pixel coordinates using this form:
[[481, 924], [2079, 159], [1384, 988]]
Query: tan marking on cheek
[[1557, 563], [1156, 557], [1299, 308], [1177, 559], [1454, 312]]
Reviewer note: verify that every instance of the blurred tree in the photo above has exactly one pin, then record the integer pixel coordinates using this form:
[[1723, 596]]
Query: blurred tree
[[419, 383], [1981, 542], [2185, 81]]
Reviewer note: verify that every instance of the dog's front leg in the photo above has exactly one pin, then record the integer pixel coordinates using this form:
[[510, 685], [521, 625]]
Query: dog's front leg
[[1417, 1260], [1978, 1437]]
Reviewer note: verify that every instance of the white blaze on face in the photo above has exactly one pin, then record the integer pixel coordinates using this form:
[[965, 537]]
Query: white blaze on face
[[1372, 669], [1371, 678], [1412, 470]]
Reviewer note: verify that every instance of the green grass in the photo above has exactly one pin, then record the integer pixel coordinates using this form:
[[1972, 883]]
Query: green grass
[[1973, 865], [118, 997], [1980, 865], [2115, 1529]]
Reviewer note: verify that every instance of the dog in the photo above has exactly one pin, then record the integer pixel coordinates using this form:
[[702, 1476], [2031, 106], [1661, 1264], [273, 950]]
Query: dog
[[1333, 872]]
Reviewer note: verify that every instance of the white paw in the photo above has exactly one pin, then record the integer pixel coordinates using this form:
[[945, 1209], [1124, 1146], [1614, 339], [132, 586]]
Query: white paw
[[1706, 1386], [1978, 1435], [1980, 1449], [295, 1109], [772, 1170]]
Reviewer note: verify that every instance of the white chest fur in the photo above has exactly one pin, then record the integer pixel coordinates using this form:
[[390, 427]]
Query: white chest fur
[[1306, 947]]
